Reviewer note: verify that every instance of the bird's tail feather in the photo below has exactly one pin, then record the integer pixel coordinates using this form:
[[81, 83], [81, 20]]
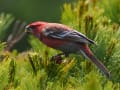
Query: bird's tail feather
[[88, 53]]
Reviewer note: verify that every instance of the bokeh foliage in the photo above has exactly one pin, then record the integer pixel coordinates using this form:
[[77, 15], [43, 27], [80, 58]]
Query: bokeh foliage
[[33, 70], [112, 10], [5, 21]]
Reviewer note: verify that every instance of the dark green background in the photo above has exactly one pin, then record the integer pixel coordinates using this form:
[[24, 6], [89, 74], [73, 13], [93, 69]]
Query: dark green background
[[34, 10]]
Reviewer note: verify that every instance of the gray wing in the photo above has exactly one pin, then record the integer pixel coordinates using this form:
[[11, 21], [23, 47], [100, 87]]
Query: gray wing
[[71, 35]]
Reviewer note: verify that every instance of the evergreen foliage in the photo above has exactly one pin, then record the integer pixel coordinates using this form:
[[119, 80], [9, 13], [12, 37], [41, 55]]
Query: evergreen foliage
[[33, 70]]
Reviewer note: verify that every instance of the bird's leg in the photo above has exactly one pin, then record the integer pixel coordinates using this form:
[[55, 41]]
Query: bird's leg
[[58, 58]]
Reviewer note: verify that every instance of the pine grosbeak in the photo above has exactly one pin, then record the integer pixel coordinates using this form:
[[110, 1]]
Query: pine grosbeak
[[66, 39]]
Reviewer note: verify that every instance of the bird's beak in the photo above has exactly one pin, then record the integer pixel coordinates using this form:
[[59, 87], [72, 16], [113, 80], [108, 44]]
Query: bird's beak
[[28, 29]]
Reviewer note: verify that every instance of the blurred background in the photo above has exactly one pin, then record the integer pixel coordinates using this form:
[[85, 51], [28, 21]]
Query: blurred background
[[33, 10]]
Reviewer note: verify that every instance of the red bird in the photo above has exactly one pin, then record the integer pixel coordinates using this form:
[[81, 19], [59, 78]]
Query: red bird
[[68, 40]]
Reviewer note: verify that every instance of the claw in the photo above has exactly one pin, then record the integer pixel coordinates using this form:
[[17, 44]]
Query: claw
[[57, 58]]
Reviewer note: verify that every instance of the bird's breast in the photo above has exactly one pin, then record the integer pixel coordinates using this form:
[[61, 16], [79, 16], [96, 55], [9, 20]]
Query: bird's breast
[[65, 46], [51, 42]]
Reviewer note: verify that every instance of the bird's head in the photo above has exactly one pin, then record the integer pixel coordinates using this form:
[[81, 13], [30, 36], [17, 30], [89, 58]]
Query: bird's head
[[35, 27]]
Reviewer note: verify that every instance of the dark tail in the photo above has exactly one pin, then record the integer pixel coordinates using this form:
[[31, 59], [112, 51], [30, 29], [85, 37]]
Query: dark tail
[[88, 53]]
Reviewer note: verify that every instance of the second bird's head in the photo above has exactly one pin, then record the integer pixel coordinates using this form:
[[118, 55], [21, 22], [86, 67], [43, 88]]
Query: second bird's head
[[35, 27]]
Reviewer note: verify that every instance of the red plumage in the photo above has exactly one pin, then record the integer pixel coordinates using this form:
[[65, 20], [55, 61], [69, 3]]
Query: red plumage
[[68, 40]]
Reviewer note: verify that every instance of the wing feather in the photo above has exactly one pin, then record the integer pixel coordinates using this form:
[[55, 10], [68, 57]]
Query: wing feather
[[66, 34]]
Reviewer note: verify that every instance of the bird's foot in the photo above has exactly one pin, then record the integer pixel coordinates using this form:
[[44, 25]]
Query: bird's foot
[[57, 58]]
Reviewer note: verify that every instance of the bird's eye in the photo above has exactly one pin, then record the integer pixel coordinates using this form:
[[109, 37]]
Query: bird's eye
[[30, 28]]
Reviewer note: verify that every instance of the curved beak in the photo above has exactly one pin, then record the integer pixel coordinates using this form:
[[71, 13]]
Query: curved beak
[[28, 29]]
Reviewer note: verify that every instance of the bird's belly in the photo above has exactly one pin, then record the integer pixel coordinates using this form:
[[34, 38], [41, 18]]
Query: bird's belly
[[53, 43], [69, 48]]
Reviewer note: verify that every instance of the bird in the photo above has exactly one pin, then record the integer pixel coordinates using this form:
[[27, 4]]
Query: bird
[[68, 40]]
